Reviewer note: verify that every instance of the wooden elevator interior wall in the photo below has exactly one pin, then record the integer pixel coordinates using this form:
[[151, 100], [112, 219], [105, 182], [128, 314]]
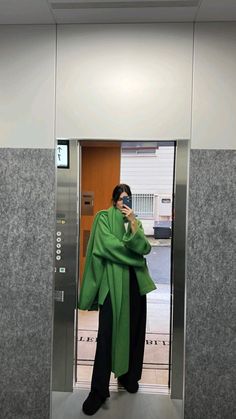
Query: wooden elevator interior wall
[[100, 173]]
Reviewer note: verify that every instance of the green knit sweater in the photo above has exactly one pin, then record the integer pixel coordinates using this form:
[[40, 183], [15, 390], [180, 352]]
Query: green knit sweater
[[110, 252]]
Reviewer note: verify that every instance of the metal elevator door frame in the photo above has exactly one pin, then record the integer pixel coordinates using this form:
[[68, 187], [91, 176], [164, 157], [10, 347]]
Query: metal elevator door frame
[[63, 371], [178, 268], [66, 269]]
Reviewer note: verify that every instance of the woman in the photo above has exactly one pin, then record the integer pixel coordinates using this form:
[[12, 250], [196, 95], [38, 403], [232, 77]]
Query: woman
[[116, 280]]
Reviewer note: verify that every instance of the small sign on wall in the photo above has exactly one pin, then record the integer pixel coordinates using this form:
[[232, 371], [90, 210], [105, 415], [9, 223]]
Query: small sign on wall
[[63, 154]]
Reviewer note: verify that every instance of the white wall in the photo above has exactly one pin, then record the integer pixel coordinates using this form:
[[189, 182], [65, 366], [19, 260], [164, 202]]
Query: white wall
[[149, 174], [124, 81], [214, 93], [27, 86]]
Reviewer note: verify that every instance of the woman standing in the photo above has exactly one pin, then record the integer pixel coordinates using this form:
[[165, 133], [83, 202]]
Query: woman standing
[[116, 281]]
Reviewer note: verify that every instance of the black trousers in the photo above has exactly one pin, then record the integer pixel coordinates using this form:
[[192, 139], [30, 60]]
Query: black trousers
[[102, 362]]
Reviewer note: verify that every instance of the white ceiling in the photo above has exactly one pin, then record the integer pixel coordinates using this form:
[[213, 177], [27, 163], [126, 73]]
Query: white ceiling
[[115, 11]]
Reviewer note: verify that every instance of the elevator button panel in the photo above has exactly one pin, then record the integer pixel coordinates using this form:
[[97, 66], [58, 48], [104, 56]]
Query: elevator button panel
[[60, 250], [58, 245]]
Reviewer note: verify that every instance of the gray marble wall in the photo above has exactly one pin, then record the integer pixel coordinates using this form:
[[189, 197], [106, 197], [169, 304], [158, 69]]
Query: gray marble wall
[[27, 200], [27, 208], [211, 277]]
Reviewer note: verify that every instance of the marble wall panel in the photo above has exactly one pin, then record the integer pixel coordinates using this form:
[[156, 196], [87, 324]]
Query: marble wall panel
[[27, 208], [210, 368]]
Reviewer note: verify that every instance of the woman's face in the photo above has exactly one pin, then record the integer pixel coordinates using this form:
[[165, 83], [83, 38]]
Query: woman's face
[[119, 203]]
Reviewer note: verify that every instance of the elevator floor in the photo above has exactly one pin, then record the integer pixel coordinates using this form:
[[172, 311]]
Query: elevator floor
[[121, 405]]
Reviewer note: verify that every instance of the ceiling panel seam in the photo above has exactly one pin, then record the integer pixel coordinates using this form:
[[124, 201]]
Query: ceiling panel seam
[[124, 4]]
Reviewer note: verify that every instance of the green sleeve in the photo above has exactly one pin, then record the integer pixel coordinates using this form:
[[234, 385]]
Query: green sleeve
[[137, 242], [108, 246]]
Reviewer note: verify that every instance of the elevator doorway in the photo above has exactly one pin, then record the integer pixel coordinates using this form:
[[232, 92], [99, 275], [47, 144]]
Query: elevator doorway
[[65, 346], [149, 169]]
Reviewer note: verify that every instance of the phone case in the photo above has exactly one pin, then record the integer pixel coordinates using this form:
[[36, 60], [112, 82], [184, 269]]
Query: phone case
[[127, 200]]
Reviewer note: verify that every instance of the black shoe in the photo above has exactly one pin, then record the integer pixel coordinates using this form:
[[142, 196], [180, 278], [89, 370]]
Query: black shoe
[[130, 387], [92, 403]]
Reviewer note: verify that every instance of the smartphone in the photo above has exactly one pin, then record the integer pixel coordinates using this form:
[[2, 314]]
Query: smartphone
[[127, 200]]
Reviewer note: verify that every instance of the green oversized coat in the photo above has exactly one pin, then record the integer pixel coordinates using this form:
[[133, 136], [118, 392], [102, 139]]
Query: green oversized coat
[[111, 250]]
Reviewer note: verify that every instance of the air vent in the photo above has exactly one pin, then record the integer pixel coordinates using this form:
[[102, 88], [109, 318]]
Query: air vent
[[123, 4]]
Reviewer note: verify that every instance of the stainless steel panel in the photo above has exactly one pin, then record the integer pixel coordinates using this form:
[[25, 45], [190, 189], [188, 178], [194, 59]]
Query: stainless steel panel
[[66, 255], [87, 204], [178, 269]]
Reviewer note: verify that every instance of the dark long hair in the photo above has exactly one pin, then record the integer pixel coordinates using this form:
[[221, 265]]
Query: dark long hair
[[122, 187]]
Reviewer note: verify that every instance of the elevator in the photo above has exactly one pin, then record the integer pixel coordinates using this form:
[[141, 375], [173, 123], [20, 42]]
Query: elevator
[[71, 238]]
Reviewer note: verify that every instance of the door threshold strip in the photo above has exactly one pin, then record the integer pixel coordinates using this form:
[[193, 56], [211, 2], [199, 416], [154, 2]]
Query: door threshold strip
[[143, 388]]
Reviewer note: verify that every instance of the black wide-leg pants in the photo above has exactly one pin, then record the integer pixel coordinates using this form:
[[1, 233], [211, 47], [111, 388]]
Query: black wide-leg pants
[[102, 362]]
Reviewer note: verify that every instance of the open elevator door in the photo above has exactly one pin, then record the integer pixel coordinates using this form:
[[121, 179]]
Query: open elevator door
[[66, 258]]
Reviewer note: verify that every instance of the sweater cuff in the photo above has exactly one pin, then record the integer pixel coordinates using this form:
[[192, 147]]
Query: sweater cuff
[[130, 237]]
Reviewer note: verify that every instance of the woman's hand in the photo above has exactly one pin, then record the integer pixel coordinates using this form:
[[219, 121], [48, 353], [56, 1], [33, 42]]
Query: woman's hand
[[129, 213]]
